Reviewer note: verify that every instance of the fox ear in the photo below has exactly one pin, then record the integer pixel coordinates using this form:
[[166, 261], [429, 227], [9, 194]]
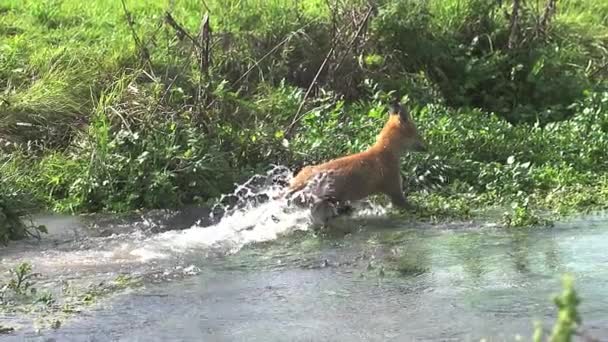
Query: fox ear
[[395, 108]]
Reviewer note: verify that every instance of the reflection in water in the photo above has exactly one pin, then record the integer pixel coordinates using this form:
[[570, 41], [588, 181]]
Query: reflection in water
[[470, 253], [518, 252], [540, 244]]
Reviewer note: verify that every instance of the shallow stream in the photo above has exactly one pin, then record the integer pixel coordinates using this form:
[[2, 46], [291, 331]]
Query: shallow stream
[[262, 275]]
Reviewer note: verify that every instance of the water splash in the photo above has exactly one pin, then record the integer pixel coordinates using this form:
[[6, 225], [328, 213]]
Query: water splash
[[254, 212]]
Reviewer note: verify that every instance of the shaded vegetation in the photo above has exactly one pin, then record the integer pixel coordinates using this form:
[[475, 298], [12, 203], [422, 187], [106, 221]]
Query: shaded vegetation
[[14, 208], [110, 106]]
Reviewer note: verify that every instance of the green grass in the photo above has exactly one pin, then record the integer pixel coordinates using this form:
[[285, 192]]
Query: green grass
[[93, 121]]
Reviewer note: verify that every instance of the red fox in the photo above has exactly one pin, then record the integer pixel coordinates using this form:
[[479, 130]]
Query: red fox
[[355, 177]]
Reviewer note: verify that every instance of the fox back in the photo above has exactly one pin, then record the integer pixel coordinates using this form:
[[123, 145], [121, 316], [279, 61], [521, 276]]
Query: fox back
[[375, 170]]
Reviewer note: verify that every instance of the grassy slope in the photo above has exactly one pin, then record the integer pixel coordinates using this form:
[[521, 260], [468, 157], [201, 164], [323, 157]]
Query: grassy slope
[[118, 131]]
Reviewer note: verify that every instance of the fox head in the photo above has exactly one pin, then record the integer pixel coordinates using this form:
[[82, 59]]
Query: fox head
[[410, 138]]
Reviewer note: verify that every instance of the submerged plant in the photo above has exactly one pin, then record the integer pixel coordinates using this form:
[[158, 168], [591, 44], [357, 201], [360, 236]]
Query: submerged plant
[[22, 275], [20, 284]]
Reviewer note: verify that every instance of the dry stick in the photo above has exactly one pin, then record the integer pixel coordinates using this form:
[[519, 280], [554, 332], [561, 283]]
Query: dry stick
[[169, 20], [297, 117], [180, 30], [513, 24], [204, 37], [548, 14], [265, 56], [356, 36], [599, 70], [276, 47], [206, 6], [141, 47], [333, 20], [202, 46]]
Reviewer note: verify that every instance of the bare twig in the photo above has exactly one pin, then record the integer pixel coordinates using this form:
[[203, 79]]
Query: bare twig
[[127, 126], [204, 62], [204, 39], [334, 21], [142, 49], [257, 62], [206, 6], [599, 70], [181, 32], [513, 26], [275, 48], [548, 14], [355, 37], [297, 116]]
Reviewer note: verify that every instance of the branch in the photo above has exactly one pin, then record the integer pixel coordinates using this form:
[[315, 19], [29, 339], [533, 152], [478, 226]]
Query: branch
[[276, 47], [513, 25], [203, 42], [297, 117], [548, 14], [180, 30], [355, 37], [264, 57], [142, 49], [204, 62]]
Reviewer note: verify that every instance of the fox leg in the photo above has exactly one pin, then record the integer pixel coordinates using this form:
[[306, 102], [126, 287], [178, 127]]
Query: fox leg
[[399, 200], [323, 211], [397, 196]]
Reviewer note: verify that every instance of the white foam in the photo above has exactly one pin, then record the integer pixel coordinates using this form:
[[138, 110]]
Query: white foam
[[246, 220], [250, 222]]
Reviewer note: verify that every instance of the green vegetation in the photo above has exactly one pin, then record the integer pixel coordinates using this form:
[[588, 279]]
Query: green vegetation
[[110, 106], [12, 223], [21, 294], [568, 318]]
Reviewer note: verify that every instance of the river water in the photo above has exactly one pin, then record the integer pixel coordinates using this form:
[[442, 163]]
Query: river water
[[262, 275]]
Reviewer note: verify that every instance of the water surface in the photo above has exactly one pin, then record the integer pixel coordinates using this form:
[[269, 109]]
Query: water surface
[[382, 280], [260, 274]]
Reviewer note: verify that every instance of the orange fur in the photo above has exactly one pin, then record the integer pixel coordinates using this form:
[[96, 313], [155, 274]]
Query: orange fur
[[374, 171]]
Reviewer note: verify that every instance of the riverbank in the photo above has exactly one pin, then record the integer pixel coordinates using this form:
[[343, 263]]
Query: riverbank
[[112, 108]]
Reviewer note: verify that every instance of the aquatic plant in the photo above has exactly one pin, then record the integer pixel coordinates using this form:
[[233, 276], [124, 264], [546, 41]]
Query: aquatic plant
[[568, 318]]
